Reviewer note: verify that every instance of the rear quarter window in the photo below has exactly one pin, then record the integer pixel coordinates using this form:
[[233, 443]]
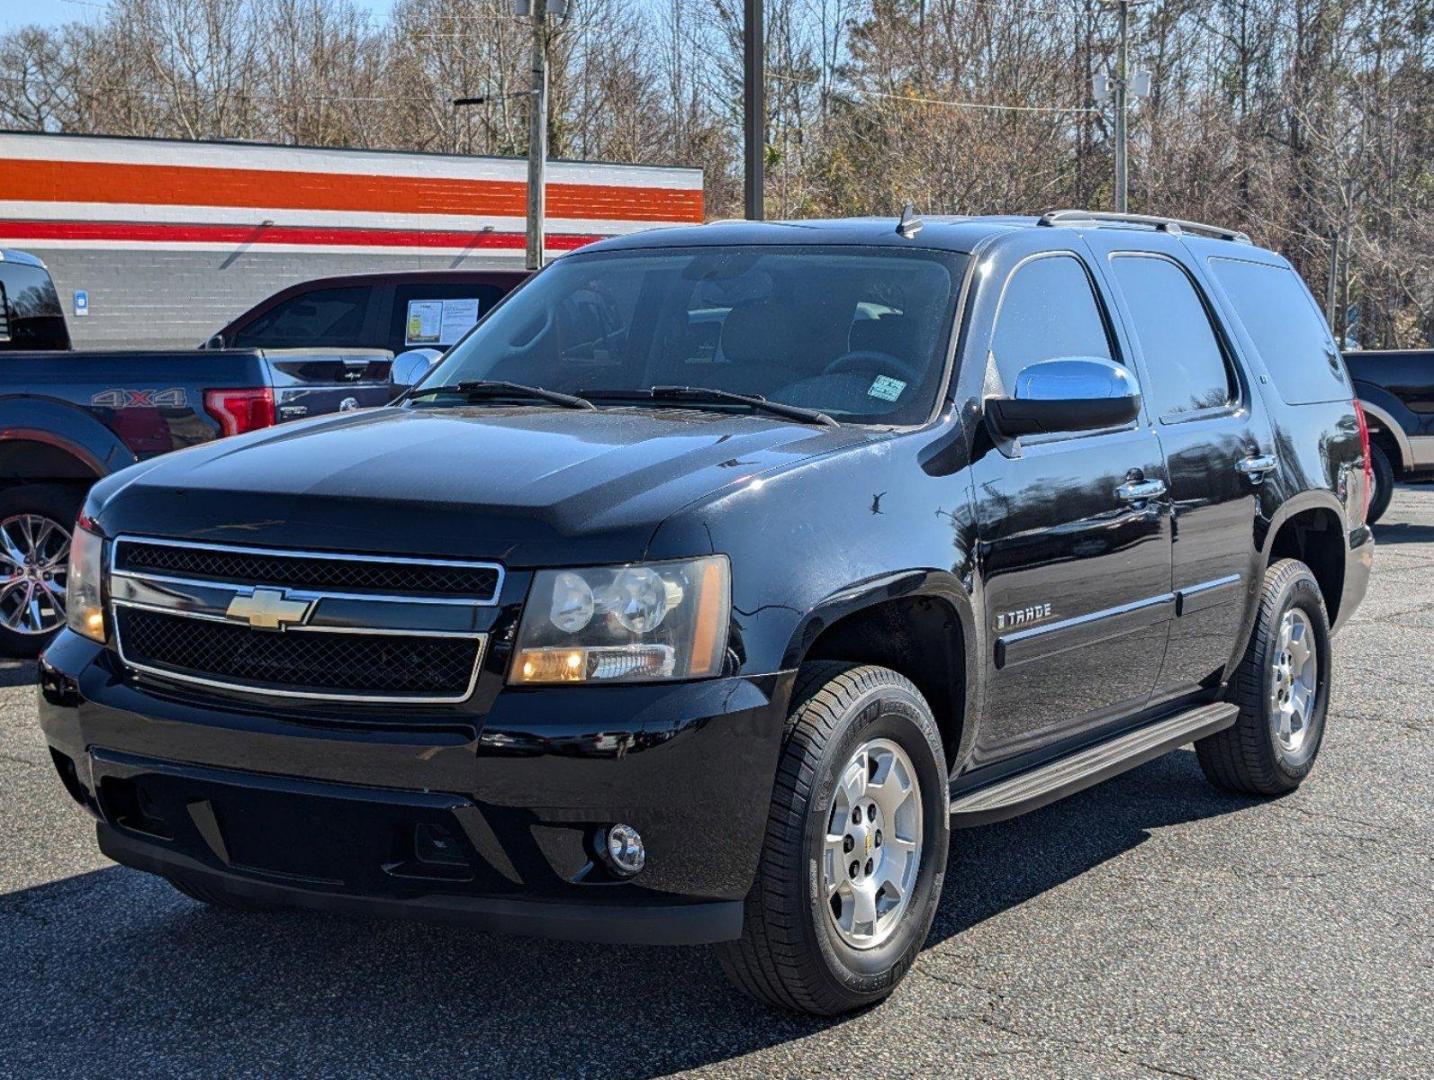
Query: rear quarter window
[[1285, 325]]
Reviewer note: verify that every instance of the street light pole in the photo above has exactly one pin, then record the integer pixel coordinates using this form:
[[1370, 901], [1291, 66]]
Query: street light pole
[[754, 108], [538, 136]]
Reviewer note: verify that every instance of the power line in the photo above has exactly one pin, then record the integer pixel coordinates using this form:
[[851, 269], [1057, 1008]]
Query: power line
[[917, 100]]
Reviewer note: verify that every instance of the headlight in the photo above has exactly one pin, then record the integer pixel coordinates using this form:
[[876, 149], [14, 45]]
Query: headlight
[[625, 623], [84, 608]]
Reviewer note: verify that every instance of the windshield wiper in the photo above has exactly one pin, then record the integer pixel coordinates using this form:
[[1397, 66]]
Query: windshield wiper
[[494, 388], [712, 394]]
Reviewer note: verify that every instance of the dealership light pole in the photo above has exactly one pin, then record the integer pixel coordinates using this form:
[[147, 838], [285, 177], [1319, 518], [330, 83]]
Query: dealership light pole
[[538, 135], [754, 107]]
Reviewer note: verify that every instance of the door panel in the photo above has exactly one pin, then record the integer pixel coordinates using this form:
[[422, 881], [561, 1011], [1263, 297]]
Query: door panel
[[1213, 431], [1075, 563], [1077, 586]]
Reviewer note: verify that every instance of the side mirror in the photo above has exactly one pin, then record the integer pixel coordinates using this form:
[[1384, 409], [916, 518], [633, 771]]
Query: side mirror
[[216, 342], [1081, 393], [409, 367]]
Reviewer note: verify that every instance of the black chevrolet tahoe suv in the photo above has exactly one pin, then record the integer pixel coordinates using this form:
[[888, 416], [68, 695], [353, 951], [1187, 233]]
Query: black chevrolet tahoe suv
[[714, 577]]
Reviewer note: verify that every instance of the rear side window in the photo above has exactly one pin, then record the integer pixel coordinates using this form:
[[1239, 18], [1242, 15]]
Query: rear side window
[[1281, 317], [1049, 311], [1184, 358], [32, 316], [326, 318]]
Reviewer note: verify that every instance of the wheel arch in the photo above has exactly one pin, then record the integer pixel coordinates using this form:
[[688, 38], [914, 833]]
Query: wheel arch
[[1388, 432], [918, 623], [1310, 528]]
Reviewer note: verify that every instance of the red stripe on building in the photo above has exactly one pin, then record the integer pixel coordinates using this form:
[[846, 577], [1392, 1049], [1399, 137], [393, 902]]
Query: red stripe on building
[[277, 234], [193, 185]]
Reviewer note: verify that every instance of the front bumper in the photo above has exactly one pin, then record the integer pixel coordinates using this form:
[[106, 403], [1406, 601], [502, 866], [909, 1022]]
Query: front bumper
[[486, 818]]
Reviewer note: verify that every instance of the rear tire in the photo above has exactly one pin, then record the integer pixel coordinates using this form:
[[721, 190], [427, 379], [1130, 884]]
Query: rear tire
[[861, 746], [38, 521], [1273, 744], [1383, 483]]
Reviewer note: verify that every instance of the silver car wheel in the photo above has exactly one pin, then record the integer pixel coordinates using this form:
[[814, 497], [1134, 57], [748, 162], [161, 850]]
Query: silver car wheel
[[34, 557], [1295, 680], [872, 849]]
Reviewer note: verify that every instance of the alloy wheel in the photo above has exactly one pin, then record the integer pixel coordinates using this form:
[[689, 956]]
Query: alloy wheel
[[872, 848], [1295, 680], [34, 557]]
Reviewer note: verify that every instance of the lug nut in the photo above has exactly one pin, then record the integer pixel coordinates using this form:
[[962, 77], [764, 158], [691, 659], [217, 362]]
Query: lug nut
[[871, 812], [878, 838], [855, 870], [847, 843], [870, 865], [856, 816]]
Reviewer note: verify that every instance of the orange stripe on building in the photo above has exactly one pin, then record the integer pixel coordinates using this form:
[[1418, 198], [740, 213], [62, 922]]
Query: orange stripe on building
[[192, 185]]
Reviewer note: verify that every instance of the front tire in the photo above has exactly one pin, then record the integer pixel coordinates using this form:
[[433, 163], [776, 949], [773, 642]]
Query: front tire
[[856, 845], [1282, 689]]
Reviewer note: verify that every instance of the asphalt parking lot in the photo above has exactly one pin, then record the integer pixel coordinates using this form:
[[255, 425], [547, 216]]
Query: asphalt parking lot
[[1148, 927]]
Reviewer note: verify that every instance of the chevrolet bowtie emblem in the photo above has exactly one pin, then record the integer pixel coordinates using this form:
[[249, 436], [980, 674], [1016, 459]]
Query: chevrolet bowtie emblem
[[268, 609]]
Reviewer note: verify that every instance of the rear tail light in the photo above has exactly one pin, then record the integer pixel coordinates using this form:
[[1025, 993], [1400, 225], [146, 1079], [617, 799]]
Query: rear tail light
[[239, 411], [1368, 461]]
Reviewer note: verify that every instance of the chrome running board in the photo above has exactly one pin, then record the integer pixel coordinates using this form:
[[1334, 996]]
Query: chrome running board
[[1055, 780]]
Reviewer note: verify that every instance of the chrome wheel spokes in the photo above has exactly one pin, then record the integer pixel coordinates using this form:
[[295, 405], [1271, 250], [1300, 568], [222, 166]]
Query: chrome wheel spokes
[[872, 848], [34, 556], [1294, 680]]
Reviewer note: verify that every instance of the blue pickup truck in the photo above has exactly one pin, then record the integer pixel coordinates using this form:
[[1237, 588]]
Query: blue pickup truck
[[1396, 389], [68, 418]]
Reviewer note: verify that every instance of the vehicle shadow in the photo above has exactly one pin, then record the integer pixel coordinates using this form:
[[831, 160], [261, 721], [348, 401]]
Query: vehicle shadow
[[17, 672], [1404, 532], [112, 963]]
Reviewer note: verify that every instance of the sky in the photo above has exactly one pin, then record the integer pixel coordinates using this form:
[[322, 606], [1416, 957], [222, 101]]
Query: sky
[[15, 13]]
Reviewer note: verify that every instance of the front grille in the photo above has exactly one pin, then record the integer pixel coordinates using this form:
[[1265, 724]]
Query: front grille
[[303, 663], [242, 566]]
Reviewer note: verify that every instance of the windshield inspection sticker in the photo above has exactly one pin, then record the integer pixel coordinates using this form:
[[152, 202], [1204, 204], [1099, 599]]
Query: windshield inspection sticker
[[886, 388]]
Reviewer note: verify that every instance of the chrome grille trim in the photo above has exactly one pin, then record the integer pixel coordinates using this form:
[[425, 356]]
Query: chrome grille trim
[[304, 553], [317, 595]]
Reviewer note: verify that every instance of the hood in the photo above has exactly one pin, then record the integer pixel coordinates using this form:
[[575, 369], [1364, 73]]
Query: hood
[[531, 487]]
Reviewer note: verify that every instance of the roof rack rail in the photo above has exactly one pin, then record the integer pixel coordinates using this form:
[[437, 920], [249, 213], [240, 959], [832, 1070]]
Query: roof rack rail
[[1175, 226]]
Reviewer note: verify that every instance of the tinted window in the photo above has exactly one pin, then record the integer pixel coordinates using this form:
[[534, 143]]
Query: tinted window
[[1287, 328], [1049, 311], [412, 304], [33, 319], [859, 333], [1183, 357], [328, 318]]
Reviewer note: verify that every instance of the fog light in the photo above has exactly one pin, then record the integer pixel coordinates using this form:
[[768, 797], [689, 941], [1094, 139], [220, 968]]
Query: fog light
[[622, 849]]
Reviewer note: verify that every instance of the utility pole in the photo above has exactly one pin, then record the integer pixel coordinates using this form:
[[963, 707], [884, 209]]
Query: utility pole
[[754, 107], [1120, 89], [538, 136], [1122, 61]]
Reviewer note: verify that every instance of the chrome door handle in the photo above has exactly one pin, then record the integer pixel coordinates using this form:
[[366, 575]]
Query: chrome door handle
[[1140, 490], [1256, 466]]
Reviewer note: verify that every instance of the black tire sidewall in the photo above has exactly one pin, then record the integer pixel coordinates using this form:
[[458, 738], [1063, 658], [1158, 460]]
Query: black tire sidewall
[[1383, 471], [1300, 591], [61, 504], [889, 712]]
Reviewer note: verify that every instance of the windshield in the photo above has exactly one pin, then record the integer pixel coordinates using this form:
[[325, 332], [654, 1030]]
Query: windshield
[[858, 333]]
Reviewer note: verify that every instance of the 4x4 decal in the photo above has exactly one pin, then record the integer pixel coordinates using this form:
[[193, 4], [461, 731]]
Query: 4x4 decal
[[173, 398]]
